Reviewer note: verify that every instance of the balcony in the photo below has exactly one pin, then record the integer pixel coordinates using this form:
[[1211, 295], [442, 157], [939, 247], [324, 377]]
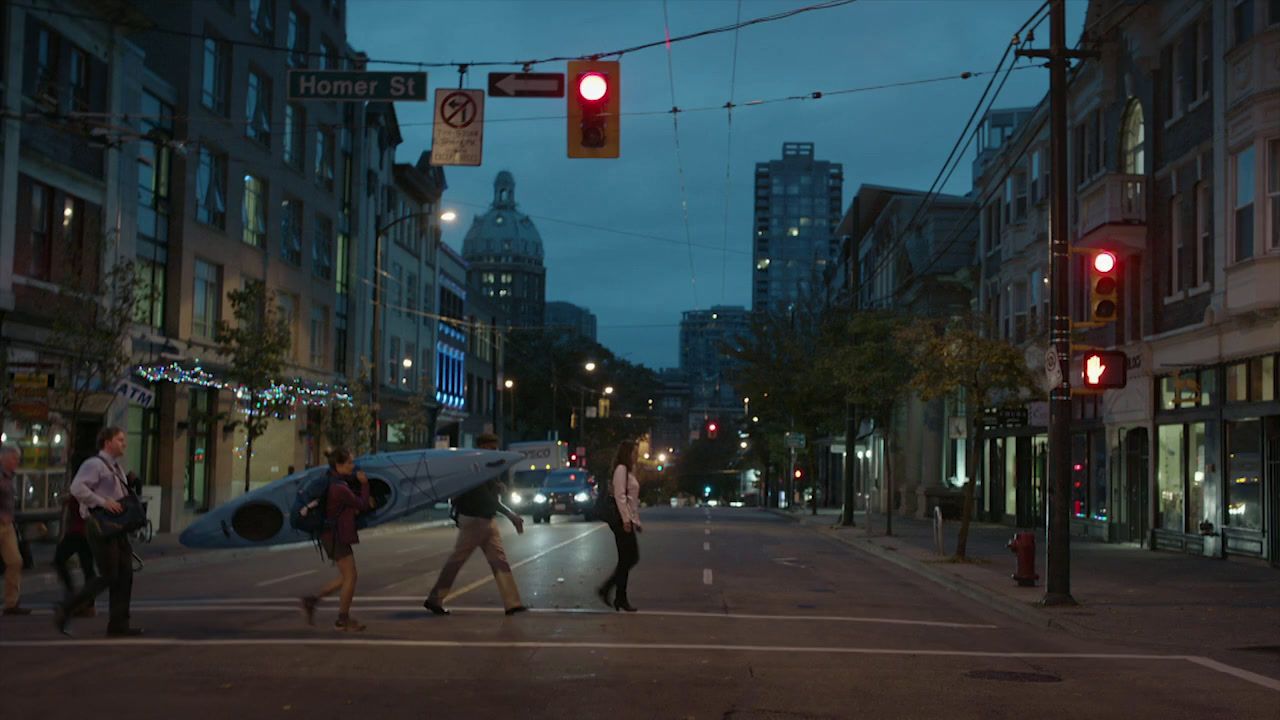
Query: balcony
[[1112, 209]]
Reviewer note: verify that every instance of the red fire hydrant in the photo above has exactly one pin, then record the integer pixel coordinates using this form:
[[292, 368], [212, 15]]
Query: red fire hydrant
[[1023, 545]]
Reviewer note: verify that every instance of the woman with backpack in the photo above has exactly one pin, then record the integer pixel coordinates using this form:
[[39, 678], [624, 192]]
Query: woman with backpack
[[341, 507], [622, 512]]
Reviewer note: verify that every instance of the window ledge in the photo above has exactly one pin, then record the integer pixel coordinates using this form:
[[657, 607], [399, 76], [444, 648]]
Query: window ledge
[[1174, 120], [1176, 297], [1198, 102], [1200, 289]]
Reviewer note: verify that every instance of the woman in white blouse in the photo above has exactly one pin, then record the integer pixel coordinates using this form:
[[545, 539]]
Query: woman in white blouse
[[624, 521]]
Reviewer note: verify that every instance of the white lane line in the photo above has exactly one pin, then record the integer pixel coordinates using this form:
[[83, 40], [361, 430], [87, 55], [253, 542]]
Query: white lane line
[[489, 578], [286, 578], [1255, 678], [706, 576], [706, 546], [415, 548], [1264, 681], [368, 605]]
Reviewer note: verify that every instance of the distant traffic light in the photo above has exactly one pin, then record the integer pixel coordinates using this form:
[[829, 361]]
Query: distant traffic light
[[1104, 369], [573, 459], [1103, 285], [593, 104], [706, 490], [713, 429], [799, 474]]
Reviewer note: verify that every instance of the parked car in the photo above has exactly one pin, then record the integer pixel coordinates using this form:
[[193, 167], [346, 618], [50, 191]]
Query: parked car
[[571, 491]]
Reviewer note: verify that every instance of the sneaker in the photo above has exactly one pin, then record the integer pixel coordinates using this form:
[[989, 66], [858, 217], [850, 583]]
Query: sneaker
[[309, 608], [348, 625]]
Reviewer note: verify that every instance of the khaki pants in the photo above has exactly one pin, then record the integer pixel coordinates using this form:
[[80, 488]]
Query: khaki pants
[[475, 532], [12, 564]]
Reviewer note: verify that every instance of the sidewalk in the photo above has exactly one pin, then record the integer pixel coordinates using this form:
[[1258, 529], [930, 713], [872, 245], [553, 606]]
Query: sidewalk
[[165, 552], [1125, 593]]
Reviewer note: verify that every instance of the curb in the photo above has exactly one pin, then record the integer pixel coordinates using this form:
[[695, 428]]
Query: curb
[[1020, 611], [198, 558]]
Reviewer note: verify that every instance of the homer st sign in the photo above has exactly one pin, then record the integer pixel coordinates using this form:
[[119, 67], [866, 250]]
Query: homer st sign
[[356, 85]]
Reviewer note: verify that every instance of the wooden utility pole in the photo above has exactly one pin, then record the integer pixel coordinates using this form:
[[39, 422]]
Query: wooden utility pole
[[1058, 528]]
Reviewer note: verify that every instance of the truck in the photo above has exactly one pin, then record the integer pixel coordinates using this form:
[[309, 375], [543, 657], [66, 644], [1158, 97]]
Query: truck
[[525, 477]]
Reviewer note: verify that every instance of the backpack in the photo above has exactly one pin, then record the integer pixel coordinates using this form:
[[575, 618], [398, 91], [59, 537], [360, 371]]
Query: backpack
[[308, 512]]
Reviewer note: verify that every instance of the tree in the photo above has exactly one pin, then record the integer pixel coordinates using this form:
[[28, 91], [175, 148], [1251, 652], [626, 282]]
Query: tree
[[779, 372], [872, 372], [256, 347], [350, 424], [960, 357], [93, 314]]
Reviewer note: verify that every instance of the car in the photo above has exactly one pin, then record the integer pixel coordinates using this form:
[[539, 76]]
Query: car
[[522, 485], [570, 491]]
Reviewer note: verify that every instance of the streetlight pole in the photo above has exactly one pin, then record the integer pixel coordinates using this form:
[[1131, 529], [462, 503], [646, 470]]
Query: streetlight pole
[[376, 320]]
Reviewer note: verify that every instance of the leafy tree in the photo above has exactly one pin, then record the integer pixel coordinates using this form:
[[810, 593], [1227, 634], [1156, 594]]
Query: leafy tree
[[256, 347], [93, 314], [789, 391], [350, 425], [707, 462], [960, 357], [872, 372]]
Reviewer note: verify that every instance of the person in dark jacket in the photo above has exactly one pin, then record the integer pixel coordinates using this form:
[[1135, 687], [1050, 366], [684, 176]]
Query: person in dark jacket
[[73, 542], [477, 528], [342, 505]]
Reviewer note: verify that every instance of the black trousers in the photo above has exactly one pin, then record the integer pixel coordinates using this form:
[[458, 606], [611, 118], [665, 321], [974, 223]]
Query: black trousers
[[114, 557], [78, 545], [628, 556]]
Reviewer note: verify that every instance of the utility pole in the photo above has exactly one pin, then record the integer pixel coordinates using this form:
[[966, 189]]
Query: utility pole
[[1058, 530]]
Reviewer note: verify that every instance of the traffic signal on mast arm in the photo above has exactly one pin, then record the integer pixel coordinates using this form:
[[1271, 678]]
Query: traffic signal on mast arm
[[1104, 283], [1104, 369], [593, 103]]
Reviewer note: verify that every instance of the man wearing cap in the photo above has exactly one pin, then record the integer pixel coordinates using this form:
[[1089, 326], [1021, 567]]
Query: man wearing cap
[[476, 511]]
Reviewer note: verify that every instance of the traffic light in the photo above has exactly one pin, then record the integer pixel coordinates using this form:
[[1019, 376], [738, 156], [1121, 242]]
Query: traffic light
[[1104, 369], [573, 459], [593, 103], [713, 429], [1103, 284], [799, 474], [706, 490]]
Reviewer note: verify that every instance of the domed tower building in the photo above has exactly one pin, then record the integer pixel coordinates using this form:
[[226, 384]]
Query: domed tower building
[[503, 251]]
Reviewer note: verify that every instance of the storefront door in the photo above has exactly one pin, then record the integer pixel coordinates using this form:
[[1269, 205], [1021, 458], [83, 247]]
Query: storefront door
[[1273, 485], [1136, 499]]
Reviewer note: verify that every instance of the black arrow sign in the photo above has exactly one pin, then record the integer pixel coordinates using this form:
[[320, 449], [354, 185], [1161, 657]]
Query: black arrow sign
[[541, 85]]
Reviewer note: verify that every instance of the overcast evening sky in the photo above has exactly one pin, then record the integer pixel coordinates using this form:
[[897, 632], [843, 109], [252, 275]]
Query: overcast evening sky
[[638, 287]]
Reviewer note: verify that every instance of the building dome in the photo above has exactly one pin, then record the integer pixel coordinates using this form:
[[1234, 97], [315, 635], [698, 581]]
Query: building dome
[[503, 231]]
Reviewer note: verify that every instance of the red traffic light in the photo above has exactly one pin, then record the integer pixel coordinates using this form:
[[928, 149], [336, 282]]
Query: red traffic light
[[1104, 261], [1104, 369], [799, 473], [592, 86], [712, 427]]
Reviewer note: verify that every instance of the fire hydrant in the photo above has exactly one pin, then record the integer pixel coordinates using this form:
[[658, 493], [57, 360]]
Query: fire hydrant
[[1023, 545]]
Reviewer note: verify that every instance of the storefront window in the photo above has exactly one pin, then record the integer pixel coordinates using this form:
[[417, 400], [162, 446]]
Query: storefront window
[[1099, 507], [1169, 478], [41, 478], [1238, 382], [1011, 476], [1188, 389], [1079, 475], [1039, 471], [144, 434], [1265, 374], [1196, 455], [1244, 474]]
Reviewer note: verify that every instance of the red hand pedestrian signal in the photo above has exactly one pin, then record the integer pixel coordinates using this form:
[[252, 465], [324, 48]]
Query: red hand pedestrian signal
[[1104, 369], [1093, 369]]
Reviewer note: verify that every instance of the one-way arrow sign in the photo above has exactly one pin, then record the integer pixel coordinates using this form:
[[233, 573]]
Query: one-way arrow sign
[[543, 85]]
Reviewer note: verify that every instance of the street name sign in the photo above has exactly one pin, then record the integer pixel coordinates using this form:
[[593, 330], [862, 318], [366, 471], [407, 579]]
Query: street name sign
[[357, 85], [536, 85], [458, 131], [794, 440]]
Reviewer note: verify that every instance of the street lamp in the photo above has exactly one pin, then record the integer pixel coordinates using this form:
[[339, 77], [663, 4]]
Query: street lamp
[[608, 390], [376, 311], [589, 367]]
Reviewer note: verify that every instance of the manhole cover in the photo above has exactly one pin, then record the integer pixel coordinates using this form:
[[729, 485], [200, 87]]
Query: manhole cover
[[1011, 676]]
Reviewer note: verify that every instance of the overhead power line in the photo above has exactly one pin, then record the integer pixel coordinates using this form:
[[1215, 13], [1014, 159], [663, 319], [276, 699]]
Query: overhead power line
[[462, 66]]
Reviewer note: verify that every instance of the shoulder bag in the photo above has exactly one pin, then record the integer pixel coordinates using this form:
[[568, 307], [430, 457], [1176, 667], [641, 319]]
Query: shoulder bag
[[131, 517]]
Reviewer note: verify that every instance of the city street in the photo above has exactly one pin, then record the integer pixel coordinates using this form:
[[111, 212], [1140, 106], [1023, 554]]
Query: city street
[[743, 614]]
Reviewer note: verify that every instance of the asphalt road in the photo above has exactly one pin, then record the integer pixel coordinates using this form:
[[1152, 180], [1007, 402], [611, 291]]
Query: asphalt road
[[742, 615]]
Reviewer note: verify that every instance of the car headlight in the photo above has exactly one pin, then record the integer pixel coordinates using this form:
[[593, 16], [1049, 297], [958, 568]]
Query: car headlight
[[539, 498], [516, 499], [581, 497]]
